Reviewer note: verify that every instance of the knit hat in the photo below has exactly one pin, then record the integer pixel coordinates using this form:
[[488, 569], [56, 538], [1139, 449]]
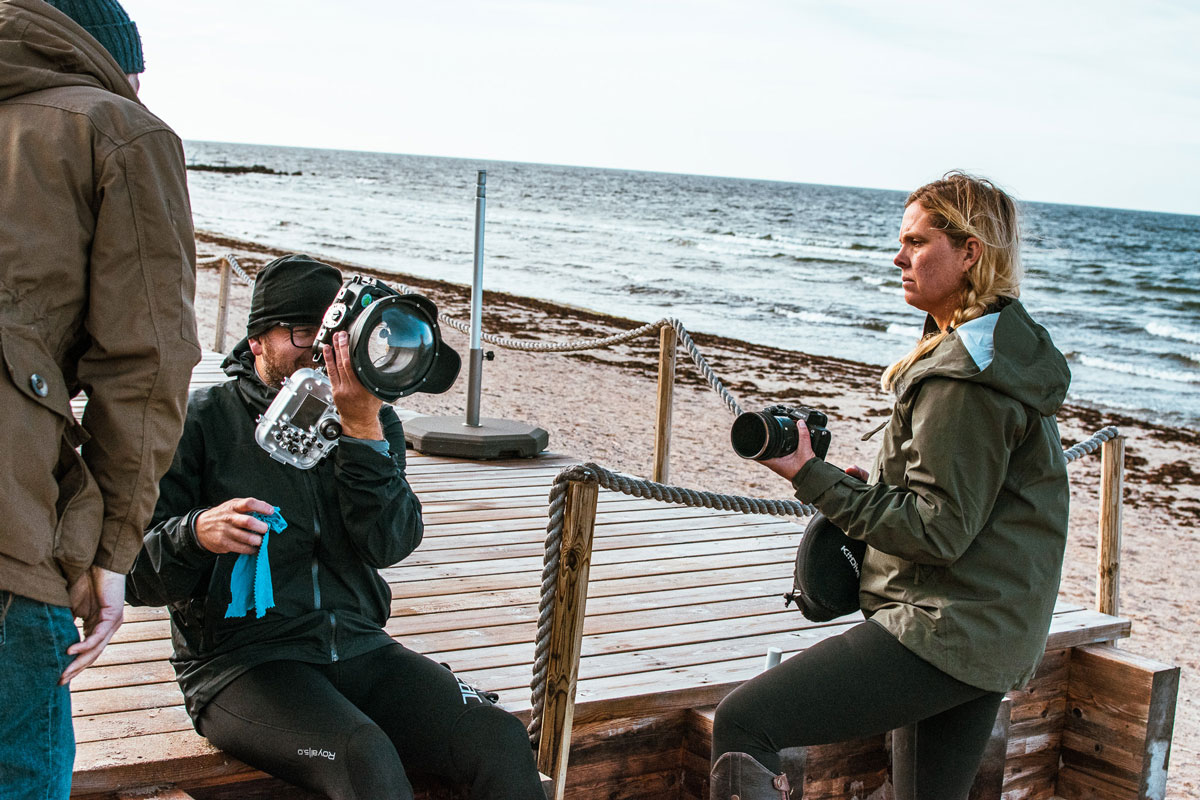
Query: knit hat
[[110, 25], [295, 290]]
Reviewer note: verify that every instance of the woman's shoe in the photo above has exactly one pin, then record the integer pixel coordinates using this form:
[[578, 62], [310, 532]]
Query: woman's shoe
[[739, 776]]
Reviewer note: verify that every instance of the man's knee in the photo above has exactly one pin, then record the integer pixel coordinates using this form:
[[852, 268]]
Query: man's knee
[[490, 729], [492, 747], [371, 767]]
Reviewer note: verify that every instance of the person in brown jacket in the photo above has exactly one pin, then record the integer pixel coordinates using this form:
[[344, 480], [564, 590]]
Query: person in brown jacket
[[97, 277]]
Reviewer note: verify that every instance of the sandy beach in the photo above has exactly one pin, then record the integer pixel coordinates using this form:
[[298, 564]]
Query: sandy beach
[[598, 405]]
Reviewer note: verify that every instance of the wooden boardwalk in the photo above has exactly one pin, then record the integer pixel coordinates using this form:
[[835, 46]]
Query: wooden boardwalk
[[682, 606]]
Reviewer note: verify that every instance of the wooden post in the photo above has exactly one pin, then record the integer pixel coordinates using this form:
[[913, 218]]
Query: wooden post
[[667, 340], [1108, 551], [566, 632], [223, 305], [1120, 716]]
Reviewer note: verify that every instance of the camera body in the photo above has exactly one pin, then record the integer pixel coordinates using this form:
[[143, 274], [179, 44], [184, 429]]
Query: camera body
[[355, 295], [773, 432], [301, 425]]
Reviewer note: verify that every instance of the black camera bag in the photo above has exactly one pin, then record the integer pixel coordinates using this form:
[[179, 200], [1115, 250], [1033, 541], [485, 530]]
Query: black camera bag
[[828, 568]]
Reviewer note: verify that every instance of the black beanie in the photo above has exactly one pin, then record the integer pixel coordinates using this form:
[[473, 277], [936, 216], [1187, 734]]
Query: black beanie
[[295, 289], [111, 27]]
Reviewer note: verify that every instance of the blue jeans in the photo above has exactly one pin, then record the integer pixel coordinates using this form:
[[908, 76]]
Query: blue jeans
[[37, 743]]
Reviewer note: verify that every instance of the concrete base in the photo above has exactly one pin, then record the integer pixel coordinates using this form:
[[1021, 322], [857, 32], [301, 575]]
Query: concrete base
[[494, 438]]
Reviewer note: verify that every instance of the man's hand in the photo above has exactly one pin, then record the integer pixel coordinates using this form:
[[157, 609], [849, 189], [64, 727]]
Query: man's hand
[[858, 472], [358, 408], [229, 528], [98, 598]]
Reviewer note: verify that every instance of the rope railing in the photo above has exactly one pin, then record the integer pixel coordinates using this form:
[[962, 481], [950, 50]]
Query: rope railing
[[637, 487], [598, 343], [1091, 445]]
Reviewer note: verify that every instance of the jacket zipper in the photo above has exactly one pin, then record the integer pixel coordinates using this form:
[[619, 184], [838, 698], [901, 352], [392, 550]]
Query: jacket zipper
[[333, 653]]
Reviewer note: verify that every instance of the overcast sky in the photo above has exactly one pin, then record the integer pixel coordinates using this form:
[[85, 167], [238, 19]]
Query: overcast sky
[[1095, 103]]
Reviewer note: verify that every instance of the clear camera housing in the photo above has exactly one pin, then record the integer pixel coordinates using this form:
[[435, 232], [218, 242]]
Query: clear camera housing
[[301, 425]]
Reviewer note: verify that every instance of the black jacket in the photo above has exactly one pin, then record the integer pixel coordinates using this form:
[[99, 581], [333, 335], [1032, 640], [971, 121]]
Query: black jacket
[[348, 517]]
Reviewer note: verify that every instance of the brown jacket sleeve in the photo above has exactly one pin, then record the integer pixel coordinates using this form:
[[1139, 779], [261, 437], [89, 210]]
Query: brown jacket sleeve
[[142, 325]]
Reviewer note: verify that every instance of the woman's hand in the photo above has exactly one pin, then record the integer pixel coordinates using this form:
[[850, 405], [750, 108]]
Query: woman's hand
[[789, 465]]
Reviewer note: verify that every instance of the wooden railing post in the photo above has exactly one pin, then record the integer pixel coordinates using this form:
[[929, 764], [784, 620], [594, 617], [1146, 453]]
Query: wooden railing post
[[1108, 550], [566, 632], [667, 340], [223, 305]]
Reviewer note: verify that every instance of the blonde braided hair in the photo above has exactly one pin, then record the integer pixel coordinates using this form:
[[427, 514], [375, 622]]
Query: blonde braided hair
[[966, 207]]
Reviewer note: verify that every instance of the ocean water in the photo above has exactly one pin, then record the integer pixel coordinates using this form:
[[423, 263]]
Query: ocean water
[[801, 266]]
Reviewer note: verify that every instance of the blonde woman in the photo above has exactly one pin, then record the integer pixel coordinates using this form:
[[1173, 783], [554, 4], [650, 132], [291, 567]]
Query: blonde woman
[[965, 519]]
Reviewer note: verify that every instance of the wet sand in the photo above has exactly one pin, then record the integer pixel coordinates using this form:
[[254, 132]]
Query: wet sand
[[599, 405]]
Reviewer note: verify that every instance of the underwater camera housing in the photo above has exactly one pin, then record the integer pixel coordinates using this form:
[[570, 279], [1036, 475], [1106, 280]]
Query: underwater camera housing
[[396, 349], [772, 432], [301, 425]]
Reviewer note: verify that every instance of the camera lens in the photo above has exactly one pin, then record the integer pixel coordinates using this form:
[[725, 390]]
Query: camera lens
[[400, 345], [762, 436]]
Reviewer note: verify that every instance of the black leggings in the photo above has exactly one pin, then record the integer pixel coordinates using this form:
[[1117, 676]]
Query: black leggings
[[858, 684], [349, 729]]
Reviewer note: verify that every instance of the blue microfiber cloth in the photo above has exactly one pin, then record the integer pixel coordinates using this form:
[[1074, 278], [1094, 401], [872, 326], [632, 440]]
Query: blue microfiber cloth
[[250, 581]]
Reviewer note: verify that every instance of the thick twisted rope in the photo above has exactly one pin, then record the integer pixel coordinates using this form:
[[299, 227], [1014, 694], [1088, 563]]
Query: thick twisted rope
[[554, 528], [637, 487], [233, 265], [578, 345], [1087, 446]]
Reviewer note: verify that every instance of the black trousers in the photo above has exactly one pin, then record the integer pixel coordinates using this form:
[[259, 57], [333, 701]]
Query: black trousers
[[864, 683], [349, 729]]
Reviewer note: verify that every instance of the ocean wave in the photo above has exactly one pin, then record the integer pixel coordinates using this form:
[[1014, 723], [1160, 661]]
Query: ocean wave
[[682, 242], [807, 316], [1171, 332], [1185, 359], [815, 259], [663, 292], [870, 247], [1138, 370], [910, 332], [819, 318]]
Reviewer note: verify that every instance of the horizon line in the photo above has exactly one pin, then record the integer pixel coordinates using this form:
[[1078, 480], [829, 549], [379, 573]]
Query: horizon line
[[669, 172]]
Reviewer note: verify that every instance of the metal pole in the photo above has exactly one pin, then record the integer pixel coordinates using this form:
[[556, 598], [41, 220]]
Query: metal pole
[[475, 368]]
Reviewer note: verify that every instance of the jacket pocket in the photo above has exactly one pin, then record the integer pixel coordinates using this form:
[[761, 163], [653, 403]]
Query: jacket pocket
[[47, 490]]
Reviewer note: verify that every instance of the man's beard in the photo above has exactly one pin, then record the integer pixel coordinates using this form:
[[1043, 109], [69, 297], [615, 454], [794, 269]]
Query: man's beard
[[275, 369]]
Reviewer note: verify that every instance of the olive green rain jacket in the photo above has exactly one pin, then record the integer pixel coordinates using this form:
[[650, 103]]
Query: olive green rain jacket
[[965, 514], [97, 276]]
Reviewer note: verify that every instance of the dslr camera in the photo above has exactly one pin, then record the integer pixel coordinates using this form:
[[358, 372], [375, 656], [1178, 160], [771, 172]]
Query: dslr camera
[[773, 432], [396, 349]]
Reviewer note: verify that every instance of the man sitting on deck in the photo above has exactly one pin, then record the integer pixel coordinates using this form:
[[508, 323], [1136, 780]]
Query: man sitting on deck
[[312, 690]]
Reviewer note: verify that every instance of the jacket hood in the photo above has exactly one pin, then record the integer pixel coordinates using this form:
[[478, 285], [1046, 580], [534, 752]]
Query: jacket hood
[[1006, 351], [43, 48], [239, 364]]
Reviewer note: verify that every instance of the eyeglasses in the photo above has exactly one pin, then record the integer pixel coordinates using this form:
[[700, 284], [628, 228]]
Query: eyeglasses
[[302, 335]]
